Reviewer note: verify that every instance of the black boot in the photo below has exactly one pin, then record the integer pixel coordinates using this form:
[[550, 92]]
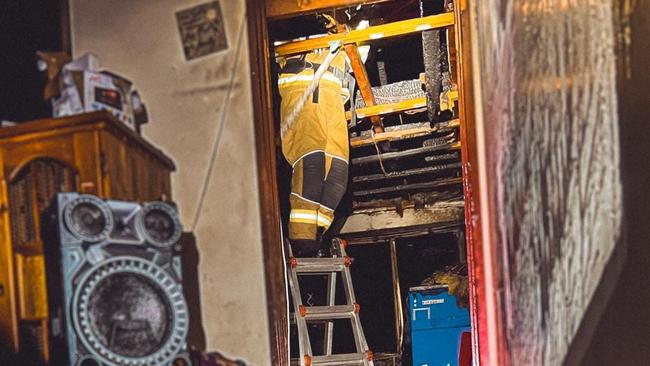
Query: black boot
[[325, 249], [305, 248], [324, 244]]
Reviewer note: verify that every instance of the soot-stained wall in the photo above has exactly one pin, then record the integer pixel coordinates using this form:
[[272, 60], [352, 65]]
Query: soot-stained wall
[[550, 118], [187, 102]]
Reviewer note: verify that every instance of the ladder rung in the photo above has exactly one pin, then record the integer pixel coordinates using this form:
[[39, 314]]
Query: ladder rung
[[340, 359], [329, 312], [319, 265]]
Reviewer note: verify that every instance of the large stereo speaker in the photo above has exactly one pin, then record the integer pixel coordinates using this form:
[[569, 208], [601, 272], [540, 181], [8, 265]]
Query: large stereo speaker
[[114, 283]]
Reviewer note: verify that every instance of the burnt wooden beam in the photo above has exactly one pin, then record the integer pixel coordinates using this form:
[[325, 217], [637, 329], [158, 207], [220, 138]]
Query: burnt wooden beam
[[361, 75], [450, 156], [406, 173], [389, 136], [408, 187], [405, 153], [382, 236], [400, 134], [399, 205]]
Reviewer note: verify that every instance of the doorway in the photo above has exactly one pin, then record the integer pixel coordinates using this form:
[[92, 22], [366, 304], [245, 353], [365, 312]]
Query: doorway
[[462, 174]]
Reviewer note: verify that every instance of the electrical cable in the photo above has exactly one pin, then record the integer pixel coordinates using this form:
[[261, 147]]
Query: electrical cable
[[381, 162], [224, 114]]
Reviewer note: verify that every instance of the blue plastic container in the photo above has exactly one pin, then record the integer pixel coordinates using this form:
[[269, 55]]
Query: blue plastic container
[[437, 324]]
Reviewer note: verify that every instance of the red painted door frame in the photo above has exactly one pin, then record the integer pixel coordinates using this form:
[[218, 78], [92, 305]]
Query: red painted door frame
[[487, 338]]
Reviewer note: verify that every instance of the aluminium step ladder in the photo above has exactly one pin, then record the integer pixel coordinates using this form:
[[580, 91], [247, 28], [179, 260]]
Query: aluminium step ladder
[[330, 267]]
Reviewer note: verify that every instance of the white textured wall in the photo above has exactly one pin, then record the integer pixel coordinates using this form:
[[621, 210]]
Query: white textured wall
[[139, 39], [551, 117]]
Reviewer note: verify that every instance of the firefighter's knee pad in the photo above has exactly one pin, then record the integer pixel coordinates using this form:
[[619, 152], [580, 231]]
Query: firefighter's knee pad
[[335, 184], [313, 173]]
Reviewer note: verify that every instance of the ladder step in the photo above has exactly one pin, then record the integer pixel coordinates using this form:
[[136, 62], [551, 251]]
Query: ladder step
[[329, 312], [325, 313], [319, 265], [340, 359]]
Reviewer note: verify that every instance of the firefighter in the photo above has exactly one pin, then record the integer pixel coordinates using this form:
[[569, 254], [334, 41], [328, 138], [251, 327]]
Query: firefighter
[[316, 145]]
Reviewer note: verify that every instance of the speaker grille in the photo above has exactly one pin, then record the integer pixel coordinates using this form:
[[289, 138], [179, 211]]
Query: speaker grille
[[129, 314], [160, 225], [130, 311], [88, 218]]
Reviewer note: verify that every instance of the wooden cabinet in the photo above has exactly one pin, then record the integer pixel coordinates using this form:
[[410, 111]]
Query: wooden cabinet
[[90, 153]]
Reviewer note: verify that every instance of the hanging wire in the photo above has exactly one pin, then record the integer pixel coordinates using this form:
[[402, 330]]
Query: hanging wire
[[381, 162], [224, 114]]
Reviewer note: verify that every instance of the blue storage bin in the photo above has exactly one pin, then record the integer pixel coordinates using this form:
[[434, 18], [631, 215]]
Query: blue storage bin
[[437, 323]]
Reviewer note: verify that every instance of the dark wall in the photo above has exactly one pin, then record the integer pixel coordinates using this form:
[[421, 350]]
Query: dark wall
[[622, 334], [25, 27]]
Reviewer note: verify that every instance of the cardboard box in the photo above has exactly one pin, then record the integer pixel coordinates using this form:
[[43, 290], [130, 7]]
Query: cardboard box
[[84, 88], [94, 91]]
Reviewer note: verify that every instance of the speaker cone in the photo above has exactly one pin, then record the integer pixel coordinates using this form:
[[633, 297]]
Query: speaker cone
[[159, 224], [88, 218], [130, 311], [129, 314]]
